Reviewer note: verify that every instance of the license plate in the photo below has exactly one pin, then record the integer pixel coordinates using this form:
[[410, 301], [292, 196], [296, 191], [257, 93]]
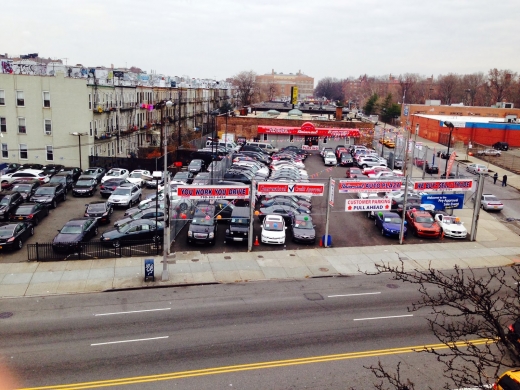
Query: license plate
[[496, 207], [20, 218], [239, 239]]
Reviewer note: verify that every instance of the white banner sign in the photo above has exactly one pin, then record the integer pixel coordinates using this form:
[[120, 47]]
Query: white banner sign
[[382, 204], [331, 192]]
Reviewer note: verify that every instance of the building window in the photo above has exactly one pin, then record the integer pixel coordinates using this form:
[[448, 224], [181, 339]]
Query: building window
[[23, 152], [50, 153], [324, 140], [91, 128], [265, 137], [5, 151], [3, 125], [21, 126], [2, 97], [95, 128], [90, 101], [20, 101], [46, 99], [291, 138], [48, 127]]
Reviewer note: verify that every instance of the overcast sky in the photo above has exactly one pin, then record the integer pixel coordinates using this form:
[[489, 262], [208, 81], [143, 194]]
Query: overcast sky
[[219, 38]]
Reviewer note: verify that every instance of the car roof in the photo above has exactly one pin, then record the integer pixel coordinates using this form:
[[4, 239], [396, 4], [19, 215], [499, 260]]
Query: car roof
[[78, 221], [273, 217], [127, 185]]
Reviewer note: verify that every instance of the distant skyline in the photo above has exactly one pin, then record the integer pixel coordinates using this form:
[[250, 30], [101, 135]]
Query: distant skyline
[[218, 39]]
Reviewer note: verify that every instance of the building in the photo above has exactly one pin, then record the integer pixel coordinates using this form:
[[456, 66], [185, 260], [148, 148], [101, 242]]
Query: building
[[281, 84]]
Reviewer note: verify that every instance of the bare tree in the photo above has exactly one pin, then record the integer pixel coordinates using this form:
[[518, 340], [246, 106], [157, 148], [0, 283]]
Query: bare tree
[[247, 88], [500, 82], [395, 380], [407, 82], [449, 88], [331, 88], [473, 85]]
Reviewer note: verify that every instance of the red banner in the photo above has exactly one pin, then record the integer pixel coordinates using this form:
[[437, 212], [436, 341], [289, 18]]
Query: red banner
[[269, 188], [305, 129], [213, 192], [450, 163]]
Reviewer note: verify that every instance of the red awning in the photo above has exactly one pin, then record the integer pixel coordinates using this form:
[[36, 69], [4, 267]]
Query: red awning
[[309, 129]]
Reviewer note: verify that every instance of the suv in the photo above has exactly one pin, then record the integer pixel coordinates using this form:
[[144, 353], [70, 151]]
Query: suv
[[127, 194], [364, 162], [26, 188], [9, 202], [266, 147], [238, 229], [501, 146], [109, 186], [52, 169], [203, 226], [25, 174], [50, 194]]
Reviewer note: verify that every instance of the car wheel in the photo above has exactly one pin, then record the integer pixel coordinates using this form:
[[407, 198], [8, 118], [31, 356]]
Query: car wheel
[[19, 244], [364, 166], [53, 204], [31, 230], [116, 244]]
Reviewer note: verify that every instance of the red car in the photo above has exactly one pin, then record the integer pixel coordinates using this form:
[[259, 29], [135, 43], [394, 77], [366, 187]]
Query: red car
[[339, 151], [354, 173], [422, 224], [376, 169]]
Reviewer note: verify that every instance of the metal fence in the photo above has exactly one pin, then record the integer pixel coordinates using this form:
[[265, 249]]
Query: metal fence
[[509, 160], [93, 250]]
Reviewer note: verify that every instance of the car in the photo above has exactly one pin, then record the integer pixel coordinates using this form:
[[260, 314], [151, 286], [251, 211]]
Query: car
[[157, 179], [489, 152], [285, 211], [74, 171], [109, 186], [398, 163], [115, 173], [382, 175], [139, 176], [26, 188], [12, 168], [422, 224], [240, 177], [223, 208], [273, 229], [14, 234], [196, 166], [509, 380], [263, 158], [353, 173], [444, 154], [38, 167], [286, 202], [431, 169], [64, 178], [501, 146], [99, 209], [85, 186], [74, 232], [97, 172], [52, 169], [203, 226], [186, 177], [126, 195], [375, 169], [143, 205], [477, 168], [330, 159], [451, 226], [25, 174], [49, 195], [303, 229], [202, 179], [364, 162], [304, 202], [133, 232], [340, 149], [389, 223], [418, 162], [389, 143], [150, 213], [238, 228], [489, 202], [29, 212], [324, 151], [345, 159]]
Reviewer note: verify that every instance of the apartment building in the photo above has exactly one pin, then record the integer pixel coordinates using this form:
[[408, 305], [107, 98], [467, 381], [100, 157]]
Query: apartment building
[[282, 83]]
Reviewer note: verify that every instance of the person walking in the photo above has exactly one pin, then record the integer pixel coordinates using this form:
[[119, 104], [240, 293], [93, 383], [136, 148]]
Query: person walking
[[504, 181], [495, 177]]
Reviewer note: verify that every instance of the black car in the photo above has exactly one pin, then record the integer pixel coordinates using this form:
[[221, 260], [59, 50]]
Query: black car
[[141, 229], [431, 169], [223, 208], [296, 149], [285, 202], [75, 231], [286, 212], [9, 202], [13, 167], [64, 178], [186, 177], [86, 186], [269, 201], [100, 210], [153, 213], [203, 226], [74, 171], [52, 169], [13, 234], [303, 229], [238, 228], [26, 188], [398, 163], [263, 158], [30, 212], [98, 173], [49, 194], [38, 167], [109, 186], [346, 160], [144, 206], [196, 166], [501, 146], [238, 176]]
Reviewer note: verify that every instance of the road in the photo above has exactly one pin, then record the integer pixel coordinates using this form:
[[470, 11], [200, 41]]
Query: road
[[59, 340]]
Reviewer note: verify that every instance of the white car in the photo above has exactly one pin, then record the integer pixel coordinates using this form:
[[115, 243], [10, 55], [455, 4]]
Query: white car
[[273, 229], [451, 226], [115, 173], [126, 195], [139, 177], [280, 164], [330, 159], [381, 174], [25, 174], [477, 168]]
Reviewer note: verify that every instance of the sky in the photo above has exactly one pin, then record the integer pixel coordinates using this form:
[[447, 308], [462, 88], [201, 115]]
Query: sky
[[218, 39]]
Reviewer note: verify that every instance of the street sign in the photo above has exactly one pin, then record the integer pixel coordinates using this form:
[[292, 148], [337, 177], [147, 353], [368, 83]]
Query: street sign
[[309, 189], [444, 201], [350, 186], [368, 204], [149, 269], [331, 192], [213, 192], [443, 185]]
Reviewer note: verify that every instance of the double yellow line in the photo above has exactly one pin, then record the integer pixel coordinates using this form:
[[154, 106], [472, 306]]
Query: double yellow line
[[254, 366]]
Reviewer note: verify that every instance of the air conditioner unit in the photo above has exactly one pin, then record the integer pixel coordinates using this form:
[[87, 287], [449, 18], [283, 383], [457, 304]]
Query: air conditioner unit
[[504, 105], [47, 132]]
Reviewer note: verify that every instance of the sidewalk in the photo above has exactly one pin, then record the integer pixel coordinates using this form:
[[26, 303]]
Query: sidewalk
[[496, 245]]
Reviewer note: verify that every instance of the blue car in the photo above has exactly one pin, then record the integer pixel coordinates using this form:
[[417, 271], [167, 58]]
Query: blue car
[[389, 223]]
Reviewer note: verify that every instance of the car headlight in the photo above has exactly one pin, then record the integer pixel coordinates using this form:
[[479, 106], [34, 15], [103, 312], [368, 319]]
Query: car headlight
[[190, 233], [211, 235]]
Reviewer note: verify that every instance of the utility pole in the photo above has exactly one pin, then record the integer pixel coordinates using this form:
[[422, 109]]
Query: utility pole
[[476, 207]]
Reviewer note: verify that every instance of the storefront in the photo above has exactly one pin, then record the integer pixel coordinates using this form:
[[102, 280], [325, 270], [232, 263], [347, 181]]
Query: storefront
[[307, 136]]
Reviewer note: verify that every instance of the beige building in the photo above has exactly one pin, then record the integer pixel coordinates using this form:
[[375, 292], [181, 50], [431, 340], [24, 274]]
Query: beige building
[[282, 83]]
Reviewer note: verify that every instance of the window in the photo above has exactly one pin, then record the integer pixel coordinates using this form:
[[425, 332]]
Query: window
[[48, 127], [50, 153], [90, 101], [23, 152], [20, 101], [291, 138], [265, 137], [46, 99], [21, 126], [2, 97], [91, 128], [3, 125], [5, 151], [324, 140]]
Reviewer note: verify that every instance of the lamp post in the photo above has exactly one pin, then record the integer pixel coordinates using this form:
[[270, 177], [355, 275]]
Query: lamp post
[[79, 144], [451, 127]]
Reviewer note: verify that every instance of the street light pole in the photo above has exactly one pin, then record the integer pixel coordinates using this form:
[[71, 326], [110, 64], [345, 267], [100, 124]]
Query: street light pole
[[451, 127], [79, 144]]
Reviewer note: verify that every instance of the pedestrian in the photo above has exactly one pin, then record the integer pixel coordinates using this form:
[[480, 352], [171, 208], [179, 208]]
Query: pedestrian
[[504, 181], [495, 177]]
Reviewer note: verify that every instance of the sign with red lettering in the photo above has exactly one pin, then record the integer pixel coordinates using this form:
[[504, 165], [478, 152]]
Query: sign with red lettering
[[350, 186], [310, 189], [443, 185], [309, 130], [382, 204], [213, 192]]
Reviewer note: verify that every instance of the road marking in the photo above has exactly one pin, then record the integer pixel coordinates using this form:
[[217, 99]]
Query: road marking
[[129, 341], [254, 366], [129, 312], [353, 295], [382, 318]]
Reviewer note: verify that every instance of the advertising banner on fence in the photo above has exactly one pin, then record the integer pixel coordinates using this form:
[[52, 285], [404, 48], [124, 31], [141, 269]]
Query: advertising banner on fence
[[309, 189], [331, 192], [444, 201], [213, 192], [350, 186], [368, 204], [443, 185]]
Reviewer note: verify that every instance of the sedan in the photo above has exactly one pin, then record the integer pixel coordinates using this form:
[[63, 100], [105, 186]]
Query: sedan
[[74, 232], [477, 168], [273, 230], [186, 177], [490, 202], [451, 226], [100, 210], [303, 229], [389, 224], [139, 177], [115, 173], [109, 186], [286, 212], [422, 224], [489, 152], [286, 202], [353, 173], [196, 166], [85, 187], [154, 213], [141, 229], [13, 234], [30, 212], [98, 173]]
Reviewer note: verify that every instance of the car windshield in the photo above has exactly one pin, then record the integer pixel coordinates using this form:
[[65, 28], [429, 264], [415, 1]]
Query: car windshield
[[392, 220], [122, 191], [240, 221], [45, 191], [57, 179], [491, 198], [135, 175], [22, 188], [4, 200], [273, 226], [329, 154], [96, 208], [303, 224], [180, 175], [452, 220], [84, 183], [195, 164], [424, 219], [71, 229], [207, 221], [7, 231], [24, 210]]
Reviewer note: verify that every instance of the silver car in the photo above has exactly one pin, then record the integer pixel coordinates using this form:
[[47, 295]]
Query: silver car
[[490, 202]]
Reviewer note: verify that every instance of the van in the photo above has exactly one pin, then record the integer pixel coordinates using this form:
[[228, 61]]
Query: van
[[266, 147], [501, 146], [238, 229], [230, 146]]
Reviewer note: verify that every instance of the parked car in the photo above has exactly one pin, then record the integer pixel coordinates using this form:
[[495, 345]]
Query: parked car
[[273, 229], [25, 174], [303, 229], [364, 162], [444, 154], [422, 224], [64, 178], [286, 212], [451, 225], [139, 177], [186, 177], [74, 232], [50, 194], [509, 380], [52, 169], [489, 152], [151, 213], [126, 195], [29, 212], [431, 169], [285, 202], [489, 202], [38, 167], [97, 172], [501, 146], [145, 204], [203, 226], [345, 159], [238, 228], [353, 173], [398, 163], [477, 168], [301, 201], [85, 186], [100, 210], [14, 234], [389, 224], [133, 232], [9, 202], [12, 168], [153, 183], [115, 173], [196, 166], [26, 188], [330, 159], [109, 186], [74, 171], [223, 208]]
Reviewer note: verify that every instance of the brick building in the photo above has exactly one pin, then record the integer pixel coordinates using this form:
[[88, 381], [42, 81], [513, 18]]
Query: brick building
[[283, 83]]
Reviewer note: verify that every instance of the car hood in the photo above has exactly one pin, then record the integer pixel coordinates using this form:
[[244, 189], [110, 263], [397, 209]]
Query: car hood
[[118, 198], [201, 228], [454, 227], [425, 225], [66, 238], [122, 221], [273, 234], [392, 226], [304, 232], [42, 197]]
